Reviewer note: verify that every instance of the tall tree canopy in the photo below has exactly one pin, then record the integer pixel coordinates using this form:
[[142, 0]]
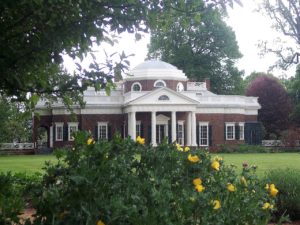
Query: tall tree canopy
[[275, 103], [35, 33], [285, 15], [201, 44]]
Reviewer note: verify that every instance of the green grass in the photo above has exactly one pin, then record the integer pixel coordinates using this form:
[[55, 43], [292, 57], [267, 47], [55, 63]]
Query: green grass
[[24, 163], [264, 162]]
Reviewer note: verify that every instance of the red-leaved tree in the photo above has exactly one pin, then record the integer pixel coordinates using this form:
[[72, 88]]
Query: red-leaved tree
[[275, 104]]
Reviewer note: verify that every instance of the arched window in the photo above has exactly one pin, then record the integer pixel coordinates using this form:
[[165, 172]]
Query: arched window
[[163, 98], [136, 87], [179, 87], [160, 83]]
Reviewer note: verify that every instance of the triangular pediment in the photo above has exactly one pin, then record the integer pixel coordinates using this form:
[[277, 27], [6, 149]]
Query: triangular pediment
[[163, 96]]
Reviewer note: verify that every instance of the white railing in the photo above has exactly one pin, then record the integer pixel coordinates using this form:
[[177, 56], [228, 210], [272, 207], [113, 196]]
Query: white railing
[[16, 146], [272, 143], [196, 86]]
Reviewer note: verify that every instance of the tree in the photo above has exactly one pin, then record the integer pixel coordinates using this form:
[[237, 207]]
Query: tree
[[35, 34], [201, 44], [275, 104], [15, 123], [293, 85], [285, 15]]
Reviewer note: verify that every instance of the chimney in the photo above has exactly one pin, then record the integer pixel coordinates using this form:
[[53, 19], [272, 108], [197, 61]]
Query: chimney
[[207, 82]]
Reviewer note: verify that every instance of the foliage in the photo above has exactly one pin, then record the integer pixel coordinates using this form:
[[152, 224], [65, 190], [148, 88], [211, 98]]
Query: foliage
[[35, 34], [244, 148], [13, 195], [285, 15], [275, 104], [15, 123], [201, 44], [288, 182], [293, 90], [123, 182]]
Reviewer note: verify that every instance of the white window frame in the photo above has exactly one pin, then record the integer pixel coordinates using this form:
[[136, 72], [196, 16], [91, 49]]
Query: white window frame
[[233, 131], [158, 81], [103, 124], [201, 135], [72, 125], [180, 87], [136, 83], [138, 128], [57, 126], [242, 128], [180, 140]]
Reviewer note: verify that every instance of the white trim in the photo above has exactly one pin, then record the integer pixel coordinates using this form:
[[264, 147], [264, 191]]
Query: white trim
[[241, 134], [230, 124], [136, 83], [100, 124], [204, 124], [162, 81], [138, 131], [74, 125], [180, 140], [177, 87], [59, 125]]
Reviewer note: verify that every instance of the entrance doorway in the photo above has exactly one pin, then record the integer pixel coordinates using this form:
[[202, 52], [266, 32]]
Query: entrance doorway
[[161, 131]]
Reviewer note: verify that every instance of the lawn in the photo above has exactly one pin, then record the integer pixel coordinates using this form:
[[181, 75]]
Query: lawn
[[24, 163], [264, 162]]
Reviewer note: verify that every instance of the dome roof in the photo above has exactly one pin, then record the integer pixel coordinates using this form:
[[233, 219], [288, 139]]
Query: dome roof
[[155, 69]]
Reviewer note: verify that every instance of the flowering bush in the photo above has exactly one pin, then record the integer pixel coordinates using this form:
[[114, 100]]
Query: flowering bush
[[125, 182]]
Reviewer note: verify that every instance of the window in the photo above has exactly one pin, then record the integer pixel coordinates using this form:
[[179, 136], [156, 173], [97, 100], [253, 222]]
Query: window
[[138, 129], [242, 130], [136, 87], [102, 131], [159, 83], [179, 87], [180, 133], [203, 134], [59, 131], [163, 98], [72, 128], [230, 131]]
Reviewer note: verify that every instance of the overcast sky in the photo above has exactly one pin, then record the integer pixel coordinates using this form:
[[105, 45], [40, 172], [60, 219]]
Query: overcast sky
[[250, 27]]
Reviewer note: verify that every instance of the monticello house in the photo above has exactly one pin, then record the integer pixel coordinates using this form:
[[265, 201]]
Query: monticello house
[[155, 101]]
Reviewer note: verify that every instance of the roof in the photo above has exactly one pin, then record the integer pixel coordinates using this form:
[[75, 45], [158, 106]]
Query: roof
[[156, 69]]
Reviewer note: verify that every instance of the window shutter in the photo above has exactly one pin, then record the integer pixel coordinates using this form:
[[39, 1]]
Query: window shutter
[[225, 132], [142, 130], [210, 135], [237, 132], [122, 131], [169, 133], [149, 135], [197, 134], [96, 133], [176, 131], [109, 132], [65, 134]]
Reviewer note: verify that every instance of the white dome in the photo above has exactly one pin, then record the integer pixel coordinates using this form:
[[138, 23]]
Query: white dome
[[155, 69]]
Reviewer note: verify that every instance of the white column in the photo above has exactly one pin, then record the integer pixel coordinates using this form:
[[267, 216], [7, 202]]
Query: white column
[[153, 129], [173, 127], [189, 129], [51, 137], [129, 124], [133, 120], [194, 140]]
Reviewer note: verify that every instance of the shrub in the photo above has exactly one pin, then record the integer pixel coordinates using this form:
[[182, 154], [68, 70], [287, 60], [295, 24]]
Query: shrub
[[124, 182], [244, 148], [288, 182]]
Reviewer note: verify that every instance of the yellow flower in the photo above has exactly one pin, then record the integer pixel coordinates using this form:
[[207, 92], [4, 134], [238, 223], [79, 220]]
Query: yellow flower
[[90, 141], [216, 204], [273, 190], [267, 205], [140, 140], [215, 165], [243, 181], [231, 187], [193, 159], [100, 222], [197, 181], [267, 187], [187, 148], [199, 187], [218, 158]]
